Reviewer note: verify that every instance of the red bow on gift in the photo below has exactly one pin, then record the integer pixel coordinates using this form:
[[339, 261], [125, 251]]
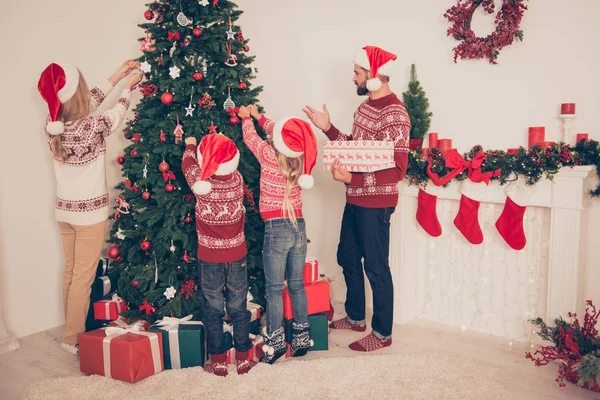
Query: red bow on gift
[[168, 175], [150, 309], [458, 164], [173, 35]]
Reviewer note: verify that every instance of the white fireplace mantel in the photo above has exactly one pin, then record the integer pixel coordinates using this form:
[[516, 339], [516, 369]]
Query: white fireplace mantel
[[563, 197]]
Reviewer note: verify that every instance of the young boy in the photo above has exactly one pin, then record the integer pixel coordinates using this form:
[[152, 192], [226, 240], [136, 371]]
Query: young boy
[[220, 218]]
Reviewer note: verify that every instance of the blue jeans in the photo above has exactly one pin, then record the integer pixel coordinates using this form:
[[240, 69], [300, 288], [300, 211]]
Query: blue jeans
[[365, 236], [284, 251], [213, 278]]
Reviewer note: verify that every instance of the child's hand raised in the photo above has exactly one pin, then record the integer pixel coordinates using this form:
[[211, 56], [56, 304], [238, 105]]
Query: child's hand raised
[[254, 112], [243, 112], [190, 140]]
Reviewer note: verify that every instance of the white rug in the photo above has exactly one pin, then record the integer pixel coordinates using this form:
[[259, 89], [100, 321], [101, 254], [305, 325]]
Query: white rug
[[391, 376]]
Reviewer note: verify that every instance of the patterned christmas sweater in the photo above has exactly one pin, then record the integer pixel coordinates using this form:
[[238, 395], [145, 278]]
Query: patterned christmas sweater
[[272, 181], [380, 119], [220, 214], [81, 190]]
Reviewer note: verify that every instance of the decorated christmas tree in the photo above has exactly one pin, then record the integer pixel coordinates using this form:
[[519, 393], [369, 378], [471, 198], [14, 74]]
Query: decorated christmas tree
[[197, 69], [417, 106]]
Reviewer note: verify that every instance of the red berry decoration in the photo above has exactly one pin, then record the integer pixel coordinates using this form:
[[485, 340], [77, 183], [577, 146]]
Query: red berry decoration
[[133, 153], [188, 219], [243, 85], [169, 187], [234, 120], [146, 195], [246, 48], [166, 98], [119, 259], [113, 251], [134, 283], [163, 166], [198, 76], [120, 160], [145, 245], [148, 15], [197, 32]]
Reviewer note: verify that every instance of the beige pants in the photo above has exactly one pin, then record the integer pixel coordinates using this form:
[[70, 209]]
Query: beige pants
[[82, 246]]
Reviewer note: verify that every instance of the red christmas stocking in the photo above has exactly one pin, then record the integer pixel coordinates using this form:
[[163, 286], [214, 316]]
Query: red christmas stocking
[[427, 211], [467, 219], [510, 222]]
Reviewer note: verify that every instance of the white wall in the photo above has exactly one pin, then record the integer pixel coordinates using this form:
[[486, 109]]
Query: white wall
[[305, 52]]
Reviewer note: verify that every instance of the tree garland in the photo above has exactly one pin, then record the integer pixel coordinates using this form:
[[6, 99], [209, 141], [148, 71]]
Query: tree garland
[[507, 23], [533, 163]]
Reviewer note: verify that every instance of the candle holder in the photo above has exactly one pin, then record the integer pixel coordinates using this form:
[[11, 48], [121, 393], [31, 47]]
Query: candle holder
[[566, 120]]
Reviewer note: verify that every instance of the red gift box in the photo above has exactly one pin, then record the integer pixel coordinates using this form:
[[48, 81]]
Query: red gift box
[[109, 309], [317, 297], [127, 354], [311, 270]]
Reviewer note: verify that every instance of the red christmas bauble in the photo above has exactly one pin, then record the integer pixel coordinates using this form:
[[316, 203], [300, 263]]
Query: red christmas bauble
[[169, 187], [243, 85], [127, 183], [113, 251], [133, 153], [234, 120], [246, 48], [134, 283], [146, 195], [166, 98], [197, 32], [188, 219], [163, 166], [145, 245], [148, 15], [120, 160], [198, 76], [127, 135]]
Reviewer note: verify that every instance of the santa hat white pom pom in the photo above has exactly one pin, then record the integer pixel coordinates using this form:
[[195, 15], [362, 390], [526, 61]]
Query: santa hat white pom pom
[[373, 84], [202, 187], [306, 181], [55, 128]]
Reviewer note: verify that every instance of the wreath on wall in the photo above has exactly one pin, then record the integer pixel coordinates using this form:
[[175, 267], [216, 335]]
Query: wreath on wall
[[507, 30]]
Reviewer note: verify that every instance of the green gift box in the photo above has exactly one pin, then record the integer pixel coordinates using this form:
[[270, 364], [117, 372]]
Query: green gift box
[[319, 331], [184, 343]]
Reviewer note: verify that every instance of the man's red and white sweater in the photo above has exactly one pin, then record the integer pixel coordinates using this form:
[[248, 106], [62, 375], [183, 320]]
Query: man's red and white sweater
[[81, 189], [272, 181], [220, 214], [380, 119]]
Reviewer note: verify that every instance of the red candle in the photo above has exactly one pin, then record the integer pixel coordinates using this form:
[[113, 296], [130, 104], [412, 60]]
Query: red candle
[[567, 108], [424, 153], [536, 135], [445, 145], [433, 140], [512, 151]]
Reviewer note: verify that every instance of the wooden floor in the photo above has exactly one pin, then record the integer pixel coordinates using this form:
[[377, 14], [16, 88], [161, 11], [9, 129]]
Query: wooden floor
[[40, 357]]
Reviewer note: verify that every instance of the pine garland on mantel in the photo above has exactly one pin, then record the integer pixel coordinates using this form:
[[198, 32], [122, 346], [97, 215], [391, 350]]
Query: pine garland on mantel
[[533, 163]]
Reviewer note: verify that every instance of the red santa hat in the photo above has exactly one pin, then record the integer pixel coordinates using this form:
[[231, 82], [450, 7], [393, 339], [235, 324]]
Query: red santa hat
[[217, 155], [376, 60], [293, 138], [57, 85]]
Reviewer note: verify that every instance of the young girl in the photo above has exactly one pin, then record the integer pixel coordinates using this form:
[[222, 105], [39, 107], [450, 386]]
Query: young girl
[[286, 161], [77, 143], [220, 219]]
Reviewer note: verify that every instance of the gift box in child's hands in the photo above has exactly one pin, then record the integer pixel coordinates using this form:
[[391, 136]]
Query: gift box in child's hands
[[317, 297], [359, 155], [127, 354]]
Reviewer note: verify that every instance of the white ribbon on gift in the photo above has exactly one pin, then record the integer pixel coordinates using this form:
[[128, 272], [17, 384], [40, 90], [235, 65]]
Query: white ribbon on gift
[[105, 285], [171, 325], [115, 299], [313, 265], [113, 332], [105, 265]]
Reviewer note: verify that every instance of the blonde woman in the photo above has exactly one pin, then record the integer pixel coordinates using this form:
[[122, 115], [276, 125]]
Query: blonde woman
[[78, 147], [286, 161]]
